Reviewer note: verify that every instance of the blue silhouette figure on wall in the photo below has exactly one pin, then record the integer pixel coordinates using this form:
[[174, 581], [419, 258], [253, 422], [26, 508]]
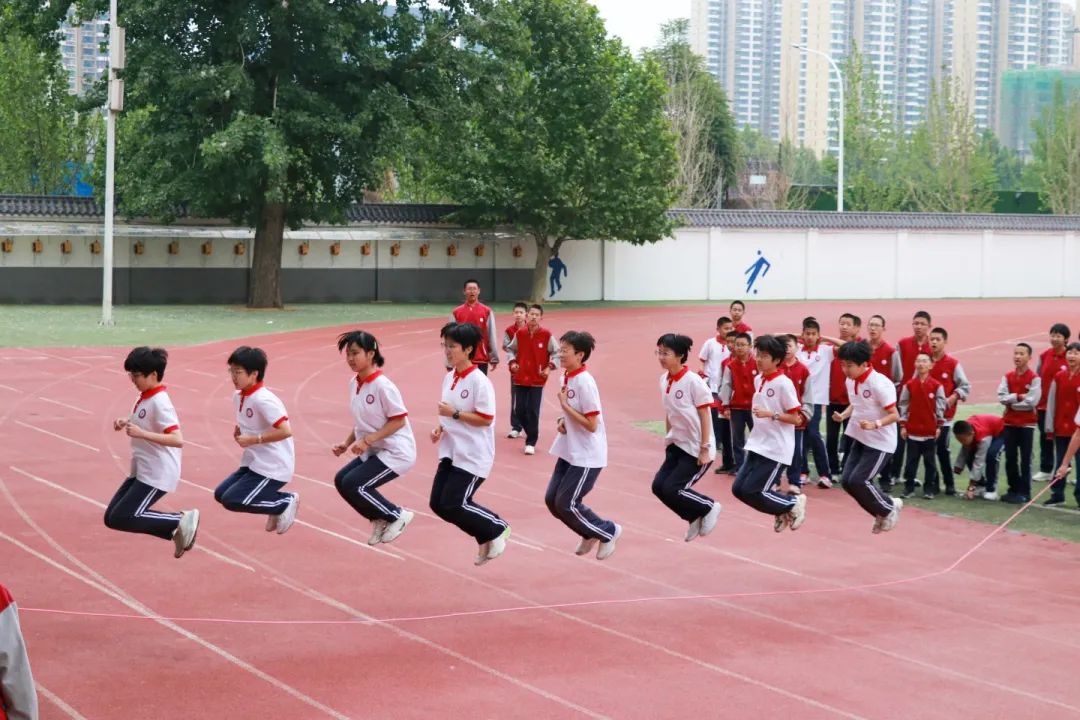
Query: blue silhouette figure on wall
[[760, 266], [558, 270]]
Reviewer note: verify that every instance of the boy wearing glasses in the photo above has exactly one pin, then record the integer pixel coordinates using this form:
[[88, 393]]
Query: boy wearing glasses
[[154, 430]]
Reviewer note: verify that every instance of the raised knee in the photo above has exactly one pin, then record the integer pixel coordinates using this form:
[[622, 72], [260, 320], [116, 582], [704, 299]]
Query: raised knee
[[112, 519]]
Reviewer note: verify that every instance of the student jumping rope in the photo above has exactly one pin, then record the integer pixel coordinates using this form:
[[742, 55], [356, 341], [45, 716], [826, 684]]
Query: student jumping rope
[[381, 438]]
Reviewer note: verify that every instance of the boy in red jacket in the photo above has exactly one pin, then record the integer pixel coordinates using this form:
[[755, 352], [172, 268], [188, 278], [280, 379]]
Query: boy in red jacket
[[531, 355], [922, 413], [1051, 362], [981, 438], [521, 312], [1062, 405], [1019, 391], [18, 697], [737, 395], [947, 371]]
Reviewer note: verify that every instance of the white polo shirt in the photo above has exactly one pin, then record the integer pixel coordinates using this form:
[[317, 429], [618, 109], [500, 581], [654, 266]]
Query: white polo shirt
[[156, 465], [871, 396], [374, 402], [578, 446], [770, 438], [683, 395], [258, 411], [818, 362], [712, 356], [469, 448]]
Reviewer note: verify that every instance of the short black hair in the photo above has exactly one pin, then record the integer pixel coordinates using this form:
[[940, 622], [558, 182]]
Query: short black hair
[[1026, 347], [790, 338], [678, 344], [855, 319], [923, 352], [811, 323], [466, 335], [474, 281], [537, 306], [252, 359], [523, 306], [940, 331], [145, 360], [772, 345], [732, 334], [723, 320], [581, 341], [962, 427], [924, 315], [1073, 346], [740, 303], [879, 317], [1061, 329], [363, 340], [856, 351], [744, 336]]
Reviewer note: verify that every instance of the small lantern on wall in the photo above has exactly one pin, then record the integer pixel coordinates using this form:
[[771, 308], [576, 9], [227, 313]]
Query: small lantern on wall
[[139, 248], [424, 250], [208, 247], [335, 248], [365, 249], [95, 247], [239, 248], [8, 245], [304, 248], [174, 248], [518, 251], [451, 249], [479, 250], [395, 249], [65, 247], [37, 246]]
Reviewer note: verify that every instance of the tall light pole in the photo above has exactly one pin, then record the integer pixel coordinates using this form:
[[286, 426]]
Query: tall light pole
[[840, 158], [113, 106]]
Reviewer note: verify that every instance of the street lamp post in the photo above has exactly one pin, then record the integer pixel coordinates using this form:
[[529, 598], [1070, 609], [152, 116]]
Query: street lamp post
[[114, 104], [840, 158]]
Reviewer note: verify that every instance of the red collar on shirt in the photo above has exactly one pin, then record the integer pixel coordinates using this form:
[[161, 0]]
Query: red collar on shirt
[[573, 373], [370, 378], [862, 378], [771, 376], [458, 376], [251, 390], [814, 349], [671, 379], [147, 394]]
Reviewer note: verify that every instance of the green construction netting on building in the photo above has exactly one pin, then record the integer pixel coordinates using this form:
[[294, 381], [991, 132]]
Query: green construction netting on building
[[1024, 93]]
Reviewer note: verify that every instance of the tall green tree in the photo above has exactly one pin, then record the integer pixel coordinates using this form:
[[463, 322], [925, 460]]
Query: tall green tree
[[704, 127], [44, 140], [269, 112], [560, 132], [947, 167], [1008, 163], [1055, 165]]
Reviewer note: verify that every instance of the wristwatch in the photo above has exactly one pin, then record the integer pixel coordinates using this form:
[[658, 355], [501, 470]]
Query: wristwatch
[[776, 416], [456, 415]]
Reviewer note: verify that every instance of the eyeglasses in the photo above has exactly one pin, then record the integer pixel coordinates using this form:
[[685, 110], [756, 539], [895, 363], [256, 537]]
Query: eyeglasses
[[664, 353], [237, 371], [134, 375]]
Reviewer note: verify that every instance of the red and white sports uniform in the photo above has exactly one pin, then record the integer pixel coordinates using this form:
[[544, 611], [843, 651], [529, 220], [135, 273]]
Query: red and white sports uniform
[[468, 447], [155, 465], [258, 411], [770, 438], [712, 356], [871, 395], [373, 402], [684, 394], [482, 317], [578, 446]]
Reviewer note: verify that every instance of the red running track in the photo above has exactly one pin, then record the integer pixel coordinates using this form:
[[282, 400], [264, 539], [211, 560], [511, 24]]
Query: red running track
[[996, 637]]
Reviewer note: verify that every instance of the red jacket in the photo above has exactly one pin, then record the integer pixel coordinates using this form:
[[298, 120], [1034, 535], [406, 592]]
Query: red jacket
[[741, 376], [882, 360], [909, 348], [742, 327], [919, 407], [1061, 410], [986, 426], [944, 371], [508, 337], [1049, 365], [837, 381], [479, 315], [1018, 414], [532, 352], [799, 375]]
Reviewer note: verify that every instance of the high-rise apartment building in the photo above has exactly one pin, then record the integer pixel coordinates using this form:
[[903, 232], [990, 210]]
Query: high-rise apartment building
[[83, 53]]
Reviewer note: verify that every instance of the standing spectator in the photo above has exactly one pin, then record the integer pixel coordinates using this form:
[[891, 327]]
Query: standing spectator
[[1061, 408], [907, 351], [476, 313], [836, 438], [532, 355], [922, 413], [1051, 362], [817, 357], [947, 371], [738, 311], [1019, 391], [713, 356], [521, 310], [737, 395]]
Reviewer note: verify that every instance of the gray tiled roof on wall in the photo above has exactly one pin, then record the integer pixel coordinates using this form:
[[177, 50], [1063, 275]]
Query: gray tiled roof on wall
[[69, 208]]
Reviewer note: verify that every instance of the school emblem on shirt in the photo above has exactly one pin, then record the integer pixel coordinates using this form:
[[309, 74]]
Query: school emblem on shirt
[[370, 399], [930, 395], [866, 393], [570, 394], [944, 374], [464, 394], [678, 394], [770, 392], [142, 413], [249, 412]]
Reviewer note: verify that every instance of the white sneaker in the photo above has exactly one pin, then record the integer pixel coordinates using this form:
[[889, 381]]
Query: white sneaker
[[694, 530], [184, 536], [824, 482], [498, 545], [782, 521], [513, 434], [530, 450], [607, 549], [482, 554], [394, 529], [286, 519], [378, 527], [918, 482], [585, 546], [271, 522], [804, 478], [894, 517], [798, 513], [708, 523], [1041, 477], [990, 495]]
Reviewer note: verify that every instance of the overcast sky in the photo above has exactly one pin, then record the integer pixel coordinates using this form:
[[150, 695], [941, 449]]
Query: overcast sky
[[637, 22]]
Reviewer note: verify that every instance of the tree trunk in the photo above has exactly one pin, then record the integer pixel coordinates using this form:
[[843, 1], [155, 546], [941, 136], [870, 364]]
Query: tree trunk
[[541, 272], [264, 285]]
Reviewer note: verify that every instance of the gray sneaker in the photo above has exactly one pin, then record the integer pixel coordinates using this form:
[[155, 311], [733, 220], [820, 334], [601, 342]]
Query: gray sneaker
[[378, 527], [694, 530], [286, 519], [390, 534], [184, 536]]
